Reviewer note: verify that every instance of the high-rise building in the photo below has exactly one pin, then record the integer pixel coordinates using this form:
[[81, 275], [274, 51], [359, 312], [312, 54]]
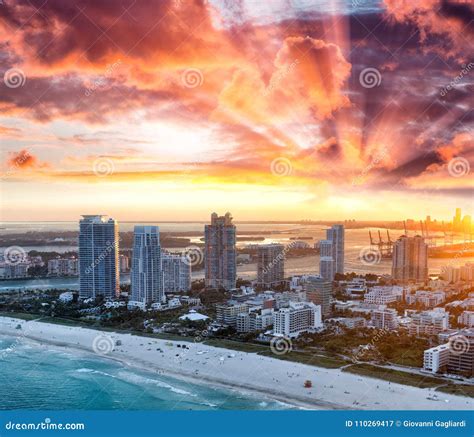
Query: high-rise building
[[270, 264], [220, 253], [457, 220], [410, 259], [176, 273], [146, 277], [336, 235], [332, 249], [319, 291], [98, 257], [326, 261]]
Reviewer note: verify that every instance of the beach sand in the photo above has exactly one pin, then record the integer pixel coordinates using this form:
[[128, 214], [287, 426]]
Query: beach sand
[[247, 372]]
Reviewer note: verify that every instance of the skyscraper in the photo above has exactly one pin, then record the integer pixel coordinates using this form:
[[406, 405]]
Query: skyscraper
[[326, 261], [99, 273], [147, 277], [176, 273], [332, 253], [457, 220], [220, 253], [270, 264], [319, 291], [336, 235], [410, 259]]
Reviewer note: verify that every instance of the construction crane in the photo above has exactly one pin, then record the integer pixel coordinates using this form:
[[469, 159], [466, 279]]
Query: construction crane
[[383, 247]]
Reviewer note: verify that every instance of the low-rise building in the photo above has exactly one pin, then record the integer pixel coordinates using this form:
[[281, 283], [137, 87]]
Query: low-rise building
[[429, 322], [298, 317], [428, 299], [467, 319], [254, 320], [227, 313], [66, 297], [349, 322], [436, 359], [383, 295], [63, 267], [385, 319]]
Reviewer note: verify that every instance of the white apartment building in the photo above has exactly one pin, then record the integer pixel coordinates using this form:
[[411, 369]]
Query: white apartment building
[[467, 319], [383, 295], [429, 322], [227, 313], [428, 299], [176, 273], [436, 358], [254, 321], [63, 267], [297, 318], [385, 319], [350, 322]]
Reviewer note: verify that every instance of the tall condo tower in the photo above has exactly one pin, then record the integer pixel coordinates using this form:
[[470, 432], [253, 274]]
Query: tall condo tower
[[410, 259], [147, 275], [220, 253], [332, 253], [99, 273]]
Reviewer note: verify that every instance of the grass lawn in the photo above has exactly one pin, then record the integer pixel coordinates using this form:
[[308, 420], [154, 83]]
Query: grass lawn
[[396, 376], [23, 316], [458, 389]]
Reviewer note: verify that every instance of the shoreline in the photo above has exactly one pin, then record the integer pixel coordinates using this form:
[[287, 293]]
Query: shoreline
[[247, 373]]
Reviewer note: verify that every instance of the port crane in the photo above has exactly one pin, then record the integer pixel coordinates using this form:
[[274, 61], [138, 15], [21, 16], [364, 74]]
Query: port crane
[[385, 248]]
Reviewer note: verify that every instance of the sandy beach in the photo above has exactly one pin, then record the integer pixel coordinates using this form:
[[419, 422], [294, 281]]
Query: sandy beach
[[269, 377]]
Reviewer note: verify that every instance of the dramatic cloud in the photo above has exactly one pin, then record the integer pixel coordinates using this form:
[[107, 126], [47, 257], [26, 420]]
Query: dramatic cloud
[[213, 95]]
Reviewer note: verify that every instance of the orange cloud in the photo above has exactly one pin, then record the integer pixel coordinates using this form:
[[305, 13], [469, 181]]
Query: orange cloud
[[307, 81], [24, 160], [451, 18]]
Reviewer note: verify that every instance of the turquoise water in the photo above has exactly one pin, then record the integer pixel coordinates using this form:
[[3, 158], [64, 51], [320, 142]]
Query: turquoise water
[[32, 377]]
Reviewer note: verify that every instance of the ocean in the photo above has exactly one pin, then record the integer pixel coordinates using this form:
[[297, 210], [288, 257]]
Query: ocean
[[33, 377]]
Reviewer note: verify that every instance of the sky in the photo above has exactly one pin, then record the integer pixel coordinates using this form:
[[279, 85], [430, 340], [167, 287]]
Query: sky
[[277, 110]]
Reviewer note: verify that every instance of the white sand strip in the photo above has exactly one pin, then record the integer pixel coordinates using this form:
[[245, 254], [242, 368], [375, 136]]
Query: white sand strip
[[269, 377]]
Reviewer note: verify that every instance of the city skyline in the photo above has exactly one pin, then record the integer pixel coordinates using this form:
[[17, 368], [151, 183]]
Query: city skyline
[[312, 117]]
